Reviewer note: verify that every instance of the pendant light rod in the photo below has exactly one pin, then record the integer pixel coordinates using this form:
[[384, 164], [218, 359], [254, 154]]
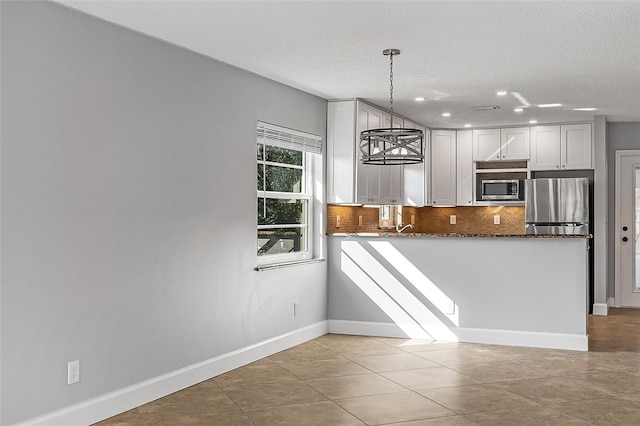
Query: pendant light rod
[[390, 53]]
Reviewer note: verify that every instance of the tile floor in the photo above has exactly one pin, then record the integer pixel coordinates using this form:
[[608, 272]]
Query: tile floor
[[351, 380]]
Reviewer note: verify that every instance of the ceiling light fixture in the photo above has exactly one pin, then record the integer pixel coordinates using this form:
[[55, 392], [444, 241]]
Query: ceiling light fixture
[[502, 93], [549, 105], [446, 114], [585, 109], [419, 99], [467, 125], [391, 145], [533, 121], [518, 110]]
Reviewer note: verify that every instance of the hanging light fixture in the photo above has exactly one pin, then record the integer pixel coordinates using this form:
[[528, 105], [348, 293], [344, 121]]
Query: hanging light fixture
[[393, 145]]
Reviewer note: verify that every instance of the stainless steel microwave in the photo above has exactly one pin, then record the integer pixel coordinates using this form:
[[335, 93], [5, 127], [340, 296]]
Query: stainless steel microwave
[[503, 189]]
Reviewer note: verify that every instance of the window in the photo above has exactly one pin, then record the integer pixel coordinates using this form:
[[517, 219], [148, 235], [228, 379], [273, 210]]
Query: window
[[285, 193]]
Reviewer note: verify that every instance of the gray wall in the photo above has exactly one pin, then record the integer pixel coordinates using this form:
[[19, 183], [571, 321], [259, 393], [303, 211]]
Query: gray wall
[[619, 136], [128, 209]]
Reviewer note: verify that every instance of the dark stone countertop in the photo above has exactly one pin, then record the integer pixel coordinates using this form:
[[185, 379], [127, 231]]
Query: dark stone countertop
[[426, 235]]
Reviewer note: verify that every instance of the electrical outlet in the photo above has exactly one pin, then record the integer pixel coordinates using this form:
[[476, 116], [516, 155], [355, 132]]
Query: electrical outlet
[[413, 219], [337, 221], [496, 219], [73, 372], [360, 220], [452, 219], [451, 308], [296, 309]]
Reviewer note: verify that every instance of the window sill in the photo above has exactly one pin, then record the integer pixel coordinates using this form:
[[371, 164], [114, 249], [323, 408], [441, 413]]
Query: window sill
[[286, 264]]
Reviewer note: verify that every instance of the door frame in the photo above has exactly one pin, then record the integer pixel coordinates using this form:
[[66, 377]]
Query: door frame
[[616, 234]]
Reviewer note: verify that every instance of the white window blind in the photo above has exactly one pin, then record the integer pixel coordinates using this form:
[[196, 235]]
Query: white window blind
[[281, 137]]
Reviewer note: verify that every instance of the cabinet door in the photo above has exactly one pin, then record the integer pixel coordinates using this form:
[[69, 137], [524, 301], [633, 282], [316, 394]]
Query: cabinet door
[[545, 148], [443, 167], [514, 143], [368, 177], [486, 145], [391, 184], [464, 168], [391, 178], [575, 146], [341, 152], [415, 176]]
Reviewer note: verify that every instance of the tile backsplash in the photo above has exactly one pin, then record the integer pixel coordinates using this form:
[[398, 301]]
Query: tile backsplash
[[432, 220]]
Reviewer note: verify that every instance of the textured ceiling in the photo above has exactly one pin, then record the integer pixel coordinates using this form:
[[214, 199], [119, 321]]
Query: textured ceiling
[[455, 54]]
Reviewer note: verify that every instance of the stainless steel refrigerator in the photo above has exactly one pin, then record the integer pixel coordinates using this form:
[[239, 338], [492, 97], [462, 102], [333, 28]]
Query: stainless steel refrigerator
[[558, 206]]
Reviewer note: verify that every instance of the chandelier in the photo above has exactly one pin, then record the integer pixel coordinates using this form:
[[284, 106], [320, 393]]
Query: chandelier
[[393, 145]]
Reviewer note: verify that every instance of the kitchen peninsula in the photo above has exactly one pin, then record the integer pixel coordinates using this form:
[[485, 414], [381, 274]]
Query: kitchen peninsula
[[496, 288]]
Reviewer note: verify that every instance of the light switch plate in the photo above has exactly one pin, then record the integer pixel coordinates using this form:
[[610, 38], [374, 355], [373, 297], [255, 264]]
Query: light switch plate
[[452, 219], [496, 219]]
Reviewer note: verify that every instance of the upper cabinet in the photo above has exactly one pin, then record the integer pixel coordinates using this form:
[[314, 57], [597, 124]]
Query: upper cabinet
[[575, 146], [501, 144], [376, 184], [464, 168], [514, 143], [566, 147], [486, 144], [348, 180], [341, 152], [416, 176], [443, 168]]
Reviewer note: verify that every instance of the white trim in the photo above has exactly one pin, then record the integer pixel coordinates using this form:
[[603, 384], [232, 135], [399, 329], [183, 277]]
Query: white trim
[[576, 342], [616, 233], [366, 328], [121, 400], [601, 308]]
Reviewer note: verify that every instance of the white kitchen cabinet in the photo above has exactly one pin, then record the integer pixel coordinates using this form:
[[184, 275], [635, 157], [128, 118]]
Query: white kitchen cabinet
[[501, 144], [348, 180], [575, 146], [464, 168], [377, 184], [342, 153], [565, 147], [514, 143], [443, 168], [545, 148], [416, 177], [486, 145]]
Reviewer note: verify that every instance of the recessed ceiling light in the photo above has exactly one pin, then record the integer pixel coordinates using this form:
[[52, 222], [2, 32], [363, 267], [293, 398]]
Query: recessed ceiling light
[[419, 99], [502, 93], [467, 125], [533, 121], [549, 105], [446, 114], [518, 110], [585, 109]]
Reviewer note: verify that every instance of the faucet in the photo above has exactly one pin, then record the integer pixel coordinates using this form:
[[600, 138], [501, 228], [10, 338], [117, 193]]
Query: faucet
[[399, 229]]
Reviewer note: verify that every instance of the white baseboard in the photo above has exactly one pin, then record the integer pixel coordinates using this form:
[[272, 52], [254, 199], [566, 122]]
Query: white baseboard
[[600, 309], [121, 400], [471, 335], [364, 328], [611, 302]]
